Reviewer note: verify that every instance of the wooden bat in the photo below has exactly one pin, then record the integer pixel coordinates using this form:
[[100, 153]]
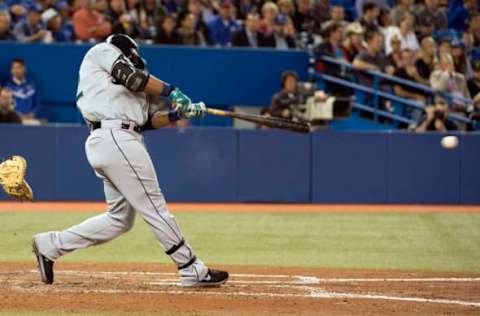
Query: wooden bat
[[273, 122]]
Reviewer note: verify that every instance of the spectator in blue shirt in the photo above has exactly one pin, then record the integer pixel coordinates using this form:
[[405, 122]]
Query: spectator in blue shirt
[[459, 16], [24, 90], [62, 31], [223, 25], [32, 28]]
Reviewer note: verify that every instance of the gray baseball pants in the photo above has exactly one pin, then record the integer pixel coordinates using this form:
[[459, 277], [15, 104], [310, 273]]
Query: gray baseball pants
[[120, 158]]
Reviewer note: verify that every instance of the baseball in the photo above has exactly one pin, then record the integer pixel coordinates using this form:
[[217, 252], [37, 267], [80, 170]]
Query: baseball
[[449, 142]]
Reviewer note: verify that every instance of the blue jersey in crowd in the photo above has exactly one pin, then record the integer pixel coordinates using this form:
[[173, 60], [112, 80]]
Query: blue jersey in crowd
[[66, 33], [221, 31], [25, 93]]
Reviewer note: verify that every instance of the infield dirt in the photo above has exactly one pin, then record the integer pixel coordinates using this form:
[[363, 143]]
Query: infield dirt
[[250, 291]]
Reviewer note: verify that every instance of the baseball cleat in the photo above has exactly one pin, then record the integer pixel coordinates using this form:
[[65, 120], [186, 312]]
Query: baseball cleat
[[45, 265], [214, 278]]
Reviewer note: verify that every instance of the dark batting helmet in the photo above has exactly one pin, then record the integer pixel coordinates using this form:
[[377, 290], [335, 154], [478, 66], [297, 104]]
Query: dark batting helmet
[[128, 47]]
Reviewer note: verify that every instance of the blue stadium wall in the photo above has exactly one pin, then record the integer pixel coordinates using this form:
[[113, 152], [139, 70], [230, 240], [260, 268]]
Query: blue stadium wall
[[219, 77], [228, 165]]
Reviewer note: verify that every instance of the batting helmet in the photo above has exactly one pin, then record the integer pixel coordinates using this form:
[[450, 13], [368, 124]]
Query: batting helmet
[[128, 47]]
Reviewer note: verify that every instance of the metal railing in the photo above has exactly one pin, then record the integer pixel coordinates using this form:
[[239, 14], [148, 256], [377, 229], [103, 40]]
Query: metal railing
[[376, 91]]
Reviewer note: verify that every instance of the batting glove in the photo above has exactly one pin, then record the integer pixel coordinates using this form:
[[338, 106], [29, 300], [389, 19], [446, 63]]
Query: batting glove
[[180, 100], [194, 110]]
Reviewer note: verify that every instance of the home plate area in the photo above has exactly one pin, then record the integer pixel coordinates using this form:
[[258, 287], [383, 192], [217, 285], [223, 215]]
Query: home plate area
[[405, 292]]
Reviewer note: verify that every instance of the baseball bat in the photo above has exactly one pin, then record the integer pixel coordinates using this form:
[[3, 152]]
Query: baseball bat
[[273, 122]]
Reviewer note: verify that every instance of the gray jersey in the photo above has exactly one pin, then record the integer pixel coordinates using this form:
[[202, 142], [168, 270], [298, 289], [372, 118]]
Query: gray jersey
[[99, 98]]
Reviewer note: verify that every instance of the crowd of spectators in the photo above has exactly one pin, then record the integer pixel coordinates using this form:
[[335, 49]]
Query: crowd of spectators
[[427, 42], [250, 23]]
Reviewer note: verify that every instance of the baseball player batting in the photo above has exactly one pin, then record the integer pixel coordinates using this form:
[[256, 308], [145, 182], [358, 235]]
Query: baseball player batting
[[113, 92]]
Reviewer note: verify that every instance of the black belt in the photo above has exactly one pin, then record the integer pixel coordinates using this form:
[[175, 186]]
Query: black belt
[[96, 125]]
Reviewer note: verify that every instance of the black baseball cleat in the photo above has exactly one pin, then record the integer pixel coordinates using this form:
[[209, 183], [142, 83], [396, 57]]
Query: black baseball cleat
[[214, 278], [45, 265]]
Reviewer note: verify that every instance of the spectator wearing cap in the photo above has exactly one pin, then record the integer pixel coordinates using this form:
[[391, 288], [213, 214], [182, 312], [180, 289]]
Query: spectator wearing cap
[[187, 33], [405, 33], [430, 18], [32, 29], [269, 13], [403, 7], [409, 72], [223, 25], [89, 24], [354, 43], [446, 79], [248, 36], [284, 102], [369, 19], [62, 31], [337, 16], [7, 108], [65, 10], [24, 90], [244, 7], [303, 19], [462, 64], [167, 33], [5, 33], [282, 36], [121, 20], [427, 57], [458, 18]]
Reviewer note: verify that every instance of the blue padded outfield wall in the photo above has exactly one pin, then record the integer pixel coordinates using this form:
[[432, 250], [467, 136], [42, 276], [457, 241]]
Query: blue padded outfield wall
[[219, 77], [228, 165]]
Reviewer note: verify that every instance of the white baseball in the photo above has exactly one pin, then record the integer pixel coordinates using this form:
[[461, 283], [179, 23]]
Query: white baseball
[[449, 142]]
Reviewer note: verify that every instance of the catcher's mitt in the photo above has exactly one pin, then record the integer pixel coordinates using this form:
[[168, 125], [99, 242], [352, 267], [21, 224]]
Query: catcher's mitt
[[12, 178]]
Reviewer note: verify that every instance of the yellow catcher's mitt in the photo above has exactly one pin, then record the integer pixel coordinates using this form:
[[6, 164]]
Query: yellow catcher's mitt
[[12, 178]]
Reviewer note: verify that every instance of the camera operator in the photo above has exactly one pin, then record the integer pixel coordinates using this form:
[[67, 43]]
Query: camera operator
[[436, 119], [284, 103]]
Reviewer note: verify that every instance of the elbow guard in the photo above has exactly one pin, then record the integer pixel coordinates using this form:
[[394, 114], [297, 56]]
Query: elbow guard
[[126, 74]]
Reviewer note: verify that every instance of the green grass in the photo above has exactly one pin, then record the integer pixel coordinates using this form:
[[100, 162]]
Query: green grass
[[430, 242]]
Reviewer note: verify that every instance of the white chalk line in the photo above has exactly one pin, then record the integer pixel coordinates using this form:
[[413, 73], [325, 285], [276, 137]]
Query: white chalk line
[[301, 279], [326, 294], [313, 294]]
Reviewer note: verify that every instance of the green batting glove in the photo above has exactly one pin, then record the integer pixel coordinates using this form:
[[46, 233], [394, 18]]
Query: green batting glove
[[181, 101], [195, 110]]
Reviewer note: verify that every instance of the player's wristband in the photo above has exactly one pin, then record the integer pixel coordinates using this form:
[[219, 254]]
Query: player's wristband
[[167, 89], [173, 116]]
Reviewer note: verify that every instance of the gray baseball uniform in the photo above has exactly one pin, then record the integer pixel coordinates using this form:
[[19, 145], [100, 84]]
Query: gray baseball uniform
[[120, 158]]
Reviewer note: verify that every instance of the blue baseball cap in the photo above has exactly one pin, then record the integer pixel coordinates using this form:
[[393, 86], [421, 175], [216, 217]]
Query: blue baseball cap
[[34, 7], [458, 43], [280, 20]]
